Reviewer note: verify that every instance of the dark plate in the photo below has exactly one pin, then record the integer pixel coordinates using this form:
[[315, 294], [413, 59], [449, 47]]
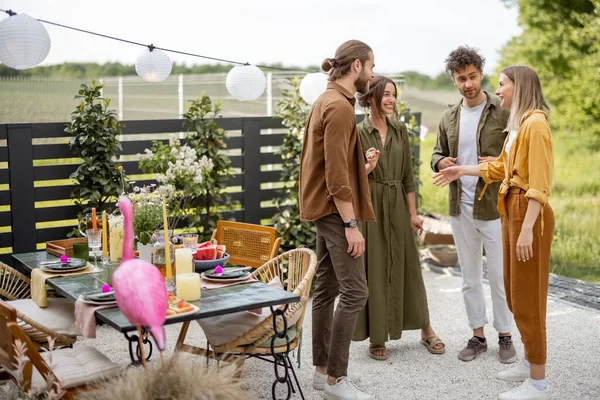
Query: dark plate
[[72, 264], [99, 297], [226, 275]]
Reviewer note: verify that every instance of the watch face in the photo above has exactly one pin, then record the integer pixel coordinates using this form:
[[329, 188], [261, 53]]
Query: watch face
[[353, 223]]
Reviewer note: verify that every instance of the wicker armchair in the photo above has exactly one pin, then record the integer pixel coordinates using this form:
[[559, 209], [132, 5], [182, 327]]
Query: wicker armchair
[[247, 244], [59, 367], [296, 269], [16, 286]]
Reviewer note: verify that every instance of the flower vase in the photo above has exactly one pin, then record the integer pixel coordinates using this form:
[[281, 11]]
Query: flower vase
[[145, 251], [158, 253]]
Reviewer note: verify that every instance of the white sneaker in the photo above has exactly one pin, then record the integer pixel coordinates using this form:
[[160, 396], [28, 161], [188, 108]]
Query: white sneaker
[[319, 380], [525, 392], [516, 374], [344, 389]]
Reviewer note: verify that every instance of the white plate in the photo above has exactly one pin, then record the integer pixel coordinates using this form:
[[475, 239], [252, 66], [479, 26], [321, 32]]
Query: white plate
[[97, 303], [185, 313], [64, 271]]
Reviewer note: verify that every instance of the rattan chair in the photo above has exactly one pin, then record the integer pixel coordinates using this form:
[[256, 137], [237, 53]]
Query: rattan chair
[[296, 269], [16, 286], [60, 369], [247, 244]]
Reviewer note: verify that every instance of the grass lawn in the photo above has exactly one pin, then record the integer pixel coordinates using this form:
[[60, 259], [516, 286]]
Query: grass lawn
[[575, 199]]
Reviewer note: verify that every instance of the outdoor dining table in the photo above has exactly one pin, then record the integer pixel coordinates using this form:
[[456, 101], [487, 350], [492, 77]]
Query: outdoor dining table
[[213, 302]]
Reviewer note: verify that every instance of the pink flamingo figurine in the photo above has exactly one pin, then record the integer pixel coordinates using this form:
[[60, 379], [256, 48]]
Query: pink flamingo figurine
[[139, 287]]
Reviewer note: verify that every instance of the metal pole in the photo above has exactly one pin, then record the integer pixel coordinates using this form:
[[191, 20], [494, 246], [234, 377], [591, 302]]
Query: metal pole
[[120, 86]]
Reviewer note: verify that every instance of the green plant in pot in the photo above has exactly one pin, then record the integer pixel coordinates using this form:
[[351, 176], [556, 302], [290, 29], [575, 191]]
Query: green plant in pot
[[147, 218], [95, 129]]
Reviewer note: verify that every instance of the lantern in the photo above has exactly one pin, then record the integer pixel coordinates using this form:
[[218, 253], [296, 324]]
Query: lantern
[[153, 65], [246, 82], [24, 41], [312, 86]]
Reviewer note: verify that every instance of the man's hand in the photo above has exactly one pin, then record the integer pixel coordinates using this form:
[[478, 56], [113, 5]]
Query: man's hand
[[446, 162], [356, 242]]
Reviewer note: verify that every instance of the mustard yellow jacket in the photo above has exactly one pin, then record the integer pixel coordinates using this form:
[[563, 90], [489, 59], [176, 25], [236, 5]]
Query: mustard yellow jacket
[[530, 165]]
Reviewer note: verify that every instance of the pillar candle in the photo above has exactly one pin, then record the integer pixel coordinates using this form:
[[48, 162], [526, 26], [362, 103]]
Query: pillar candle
[[183, 261], [94, 223], [188, 286], [116, 239], [104, 235], [167, 240]]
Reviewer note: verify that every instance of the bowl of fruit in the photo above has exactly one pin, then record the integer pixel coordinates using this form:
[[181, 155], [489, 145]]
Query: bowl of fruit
[[209, 255]]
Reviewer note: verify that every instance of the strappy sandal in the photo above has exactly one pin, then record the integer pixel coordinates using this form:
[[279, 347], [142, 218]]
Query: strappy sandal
[[431, 341], [372, 352]]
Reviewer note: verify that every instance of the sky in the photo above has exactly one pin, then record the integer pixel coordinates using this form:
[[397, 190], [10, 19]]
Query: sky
[[404, 35]]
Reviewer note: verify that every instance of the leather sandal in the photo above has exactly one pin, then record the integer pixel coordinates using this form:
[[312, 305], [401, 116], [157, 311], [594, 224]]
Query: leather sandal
[[373, 352], [431, 341]]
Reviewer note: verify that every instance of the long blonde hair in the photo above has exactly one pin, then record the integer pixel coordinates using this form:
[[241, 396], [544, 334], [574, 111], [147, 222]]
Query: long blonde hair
[[527, 96]]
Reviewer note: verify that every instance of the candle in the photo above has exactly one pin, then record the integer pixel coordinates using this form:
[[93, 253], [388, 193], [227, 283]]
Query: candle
[[104, 235], [183, 261], [116, 238], [94, 223], [167, 240], [188, 286]]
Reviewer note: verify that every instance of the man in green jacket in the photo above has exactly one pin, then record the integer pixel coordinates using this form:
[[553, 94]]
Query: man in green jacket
[[470, 132]]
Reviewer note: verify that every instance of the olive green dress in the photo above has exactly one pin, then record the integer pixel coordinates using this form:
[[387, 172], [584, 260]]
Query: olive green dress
[[397, 297]]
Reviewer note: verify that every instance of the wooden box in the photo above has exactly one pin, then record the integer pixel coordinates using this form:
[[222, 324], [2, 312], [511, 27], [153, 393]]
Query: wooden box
[[63, 246]]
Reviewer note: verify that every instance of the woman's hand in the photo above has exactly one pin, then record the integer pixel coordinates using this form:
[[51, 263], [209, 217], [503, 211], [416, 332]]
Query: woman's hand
[[525, 245], [372, 156], [486, 159], [447, 175], [416, 223]]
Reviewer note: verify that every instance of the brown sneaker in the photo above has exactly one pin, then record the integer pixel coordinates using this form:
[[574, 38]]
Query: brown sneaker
[[507, 352], [474, 347]]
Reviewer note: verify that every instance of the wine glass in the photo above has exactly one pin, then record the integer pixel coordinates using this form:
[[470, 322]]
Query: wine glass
[[95, 241]]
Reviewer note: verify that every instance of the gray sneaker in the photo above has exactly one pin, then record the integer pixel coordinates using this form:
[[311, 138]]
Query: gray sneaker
[[473, 349], [507, 352]]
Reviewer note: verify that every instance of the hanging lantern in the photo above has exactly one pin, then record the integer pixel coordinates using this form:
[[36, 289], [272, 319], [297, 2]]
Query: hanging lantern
[[153, 65], [24, 41], [246, 82], [312, 86]]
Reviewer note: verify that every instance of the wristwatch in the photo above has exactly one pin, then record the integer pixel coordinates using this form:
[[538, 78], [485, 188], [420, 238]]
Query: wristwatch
[[353, 223]]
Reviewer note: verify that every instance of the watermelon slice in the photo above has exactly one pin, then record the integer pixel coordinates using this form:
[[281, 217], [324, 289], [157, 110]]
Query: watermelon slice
[[220, 250], [206, 253]]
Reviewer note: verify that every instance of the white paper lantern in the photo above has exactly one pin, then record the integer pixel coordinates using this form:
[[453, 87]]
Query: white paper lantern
[[312, 86], [153, 65], [24, 42], [246, 82]]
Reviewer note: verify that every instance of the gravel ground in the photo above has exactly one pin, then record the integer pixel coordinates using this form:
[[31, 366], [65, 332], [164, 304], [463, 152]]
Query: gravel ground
[[411, 372]]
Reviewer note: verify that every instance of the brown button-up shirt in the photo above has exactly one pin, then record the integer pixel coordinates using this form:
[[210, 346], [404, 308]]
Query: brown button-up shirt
[[332, 163]]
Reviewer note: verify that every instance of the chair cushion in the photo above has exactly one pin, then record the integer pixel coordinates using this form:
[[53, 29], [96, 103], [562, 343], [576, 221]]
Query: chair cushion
[[75, 367], [59, 316], [226, 328], [290, 334]]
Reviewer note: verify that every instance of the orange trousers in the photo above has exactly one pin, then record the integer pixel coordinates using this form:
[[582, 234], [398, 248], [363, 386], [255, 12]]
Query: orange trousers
[[526, 283]]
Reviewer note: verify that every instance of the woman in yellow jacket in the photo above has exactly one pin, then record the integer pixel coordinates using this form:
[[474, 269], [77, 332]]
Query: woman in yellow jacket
[[525, 168]]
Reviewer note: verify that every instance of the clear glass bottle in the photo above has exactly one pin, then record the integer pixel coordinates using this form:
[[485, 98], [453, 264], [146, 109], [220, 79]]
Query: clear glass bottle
[[158, 252]]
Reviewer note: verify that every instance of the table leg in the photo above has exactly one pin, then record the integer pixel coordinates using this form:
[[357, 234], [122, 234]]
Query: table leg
[[134, 341], [282, 359]]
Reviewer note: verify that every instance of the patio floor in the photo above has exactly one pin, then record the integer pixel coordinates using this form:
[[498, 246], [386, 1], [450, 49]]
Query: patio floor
[[411, 372]]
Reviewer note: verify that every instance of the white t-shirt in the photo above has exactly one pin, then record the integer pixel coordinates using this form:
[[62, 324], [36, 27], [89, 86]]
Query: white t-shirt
[[467, 148], [511, 139]]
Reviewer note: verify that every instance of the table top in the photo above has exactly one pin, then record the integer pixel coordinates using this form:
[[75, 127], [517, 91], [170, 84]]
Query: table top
[[213, 302]]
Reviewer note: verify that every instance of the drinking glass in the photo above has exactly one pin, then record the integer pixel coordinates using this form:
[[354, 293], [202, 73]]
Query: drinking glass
[[94, 241], [190, 240]]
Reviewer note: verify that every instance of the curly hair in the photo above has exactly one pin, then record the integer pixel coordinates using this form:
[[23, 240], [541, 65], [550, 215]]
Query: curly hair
[[462, 57]]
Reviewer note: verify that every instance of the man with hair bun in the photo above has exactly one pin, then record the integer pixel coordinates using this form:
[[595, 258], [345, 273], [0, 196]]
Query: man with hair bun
[[470, 132], [334, 195]]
